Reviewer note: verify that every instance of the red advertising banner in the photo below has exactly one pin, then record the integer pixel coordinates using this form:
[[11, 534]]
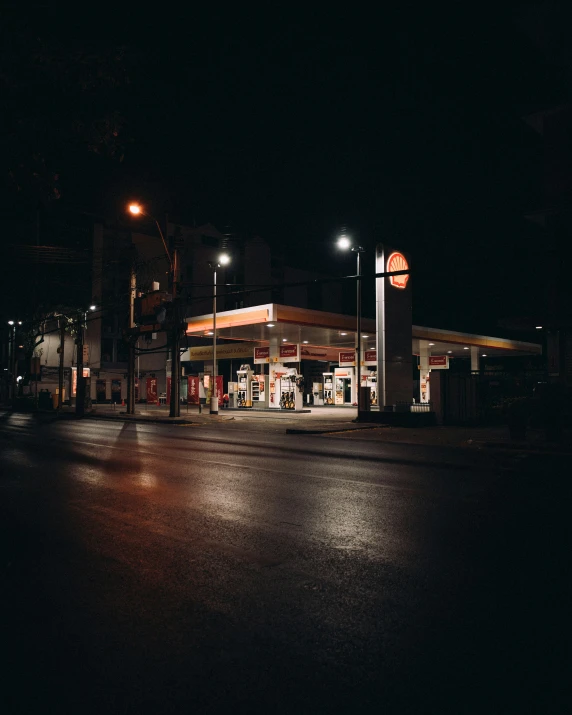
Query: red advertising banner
[[439, 361], [370, 357], [152, 398], [347, 358], [168, 390], [261, 355], [219, 387], [193, 390], [290, 353]]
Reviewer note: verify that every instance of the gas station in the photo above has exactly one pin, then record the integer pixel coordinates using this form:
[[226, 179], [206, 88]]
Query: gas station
[[277, 357]]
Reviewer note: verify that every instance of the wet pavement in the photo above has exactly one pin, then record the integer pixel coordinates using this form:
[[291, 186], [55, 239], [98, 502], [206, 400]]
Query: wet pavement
[[330, 420], [226, 566]]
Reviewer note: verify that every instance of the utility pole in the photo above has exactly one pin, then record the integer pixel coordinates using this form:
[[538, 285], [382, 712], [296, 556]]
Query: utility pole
[[131, 345], [61, 366], [80, 388], [359, 251], [175, 327], [214, 395], [13, 365], [175, 407]]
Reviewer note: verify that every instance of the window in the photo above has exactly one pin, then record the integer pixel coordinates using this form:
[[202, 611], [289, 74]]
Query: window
[[209, 241], [107, 350]]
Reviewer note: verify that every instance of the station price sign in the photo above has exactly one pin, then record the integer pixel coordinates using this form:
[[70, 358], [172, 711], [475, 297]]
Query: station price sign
[[261, 355], [289, 353], [370, 358], [347, 358]]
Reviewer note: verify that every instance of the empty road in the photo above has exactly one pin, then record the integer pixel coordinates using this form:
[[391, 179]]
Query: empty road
[[229, 567]]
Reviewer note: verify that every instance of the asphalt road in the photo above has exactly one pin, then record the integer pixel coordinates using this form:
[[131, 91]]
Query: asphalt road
[[155, 568]]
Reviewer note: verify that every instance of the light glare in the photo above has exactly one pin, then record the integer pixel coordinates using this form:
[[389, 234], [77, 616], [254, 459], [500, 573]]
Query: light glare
[[344, 242]]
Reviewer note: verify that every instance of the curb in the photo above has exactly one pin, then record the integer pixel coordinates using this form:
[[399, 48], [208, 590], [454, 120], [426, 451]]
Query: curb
[[329, 430], [135, 418], [531, 449]]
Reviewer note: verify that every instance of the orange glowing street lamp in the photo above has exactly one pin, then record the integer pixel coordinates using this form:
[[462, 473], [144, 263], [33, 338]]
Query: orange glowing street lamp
[[137, 210]]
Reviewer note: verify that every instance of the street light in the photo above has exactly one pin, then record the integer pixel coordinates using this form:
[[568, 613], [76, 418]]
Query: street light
[[137, 210], [223, 260], [13, 386], [345, 243]]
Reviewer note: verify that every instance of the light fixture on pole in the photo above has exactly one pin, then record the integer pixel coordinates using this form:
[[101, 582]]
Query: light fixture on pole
[[137, 210], [345, 243], [13, 382], [223, 260]]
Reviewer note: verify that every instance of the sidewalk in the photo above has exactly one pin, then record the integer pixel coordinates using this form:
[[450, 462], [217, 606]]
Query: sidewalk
[[331, 421], [306, 422], [470, 437]]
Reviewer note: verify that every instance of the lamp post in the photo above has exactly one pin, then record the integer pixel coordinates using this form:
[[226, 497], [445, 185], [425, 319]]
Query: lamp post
[[223, 260], [13, 382], [344, 242], [80, 381], [174, 411]]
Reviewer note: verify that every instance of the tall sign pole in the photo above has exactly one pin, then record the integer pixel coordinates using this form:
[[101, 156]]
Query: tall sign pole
[[394, 319]]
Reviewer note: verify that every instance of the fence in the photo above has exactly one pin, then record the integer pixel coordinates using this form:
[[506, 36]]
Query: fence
[[481, 398]]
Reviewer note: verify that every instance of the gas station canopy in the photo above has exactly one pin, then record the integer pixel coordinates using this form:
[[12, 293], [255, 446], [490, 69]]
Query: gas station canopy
[[259, 324]]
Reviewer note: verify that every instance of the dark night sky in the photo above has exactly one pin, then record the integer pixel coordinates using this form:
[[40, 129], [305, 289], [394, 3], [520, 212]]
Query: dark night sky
[[405, 127]]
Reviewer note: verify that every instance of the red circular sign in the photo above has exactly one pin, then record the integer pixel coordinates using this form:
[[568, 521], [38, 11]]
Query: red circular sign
[[397, 262]]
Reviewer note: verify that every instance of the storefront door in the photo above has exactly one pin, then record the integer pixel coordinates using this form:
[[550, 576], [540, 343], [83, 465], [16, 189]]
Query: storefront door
[[343, 391], [100, 391]]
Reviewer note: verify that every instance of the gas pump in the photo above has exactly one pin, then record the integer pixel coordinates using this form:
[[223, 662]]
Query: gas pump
[[318, 393], [289, 389], [259, 390], [244, 393], [371, 382], [233, 394], [328, 391]]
